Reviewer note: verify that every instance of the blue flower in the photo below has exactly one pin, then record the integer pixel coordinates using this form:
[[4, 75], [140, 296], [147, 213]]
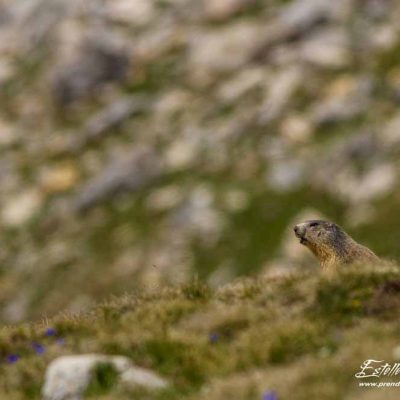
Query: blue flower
[[269, 395], [214, 337], [13, 358], [39, 349], [51, 332], [60, 341]]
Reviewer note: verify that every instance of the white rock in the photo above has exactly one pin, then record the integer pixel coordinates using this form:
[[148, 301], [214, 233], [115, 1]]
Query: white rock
[[241, 83], [6, 70], [198, 216], [225, 49], [384, 38], [222, 9], [138, 12], [327, 48], [142, 377], [391, 132], [182, 153], [296, 129], [345, 99], [21, 208], [374, 184], [281, 90], [8, 133], [67, 377]]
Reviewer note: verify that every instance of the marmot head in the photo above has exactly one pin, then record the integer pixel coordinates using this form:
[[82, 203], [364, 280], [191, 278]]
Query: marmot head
[[318, 233], [331, 245]]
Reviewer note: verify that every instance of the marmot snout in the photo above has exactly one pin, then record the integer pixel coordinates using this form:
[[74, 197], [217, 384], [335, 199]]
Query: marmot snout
[[331, 244]]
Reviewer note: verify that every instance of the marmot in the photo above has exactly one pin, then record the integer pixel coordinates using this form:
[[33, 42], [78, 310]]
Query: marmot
[[331, 245]]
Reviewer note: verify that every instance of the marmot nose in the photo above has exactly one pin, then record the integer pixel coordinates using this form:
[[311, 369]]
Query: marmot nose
[[299, 230]]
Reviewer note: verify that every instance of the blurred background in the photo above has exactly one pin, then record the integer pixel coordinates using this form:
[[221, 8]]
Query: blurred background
[[150, 141]]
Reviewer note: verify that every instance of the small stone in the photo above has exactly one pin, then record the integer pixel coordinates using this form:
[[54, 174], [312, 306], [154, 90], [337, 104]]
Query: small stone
[[391, 130], [7, 70], [222, 50], [135, 376], [182, 153], [384, 38], [342, 86], [329, 48], [280, 92], [21, 208], [223, 9], [59, 179], [344, 99], [241, 83], [127, 173], [172, 102], [297, 129], [139, 12], [8, 134], [97, 61]]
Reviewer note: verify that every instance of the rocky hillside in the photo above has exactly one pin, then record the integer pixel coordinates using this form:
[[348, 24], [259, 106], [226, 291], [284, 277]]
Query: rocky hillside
[[150, 141], [296, 336]]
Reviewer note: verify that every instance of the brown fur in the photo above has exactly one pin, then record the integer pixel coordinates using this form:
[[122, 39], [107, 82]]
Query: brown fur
[[331, 245]]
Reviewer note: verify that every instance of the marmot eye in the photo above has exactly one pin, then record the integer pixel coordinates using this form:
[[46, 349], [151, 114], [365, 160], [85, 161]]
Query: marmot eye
[[314, 224]]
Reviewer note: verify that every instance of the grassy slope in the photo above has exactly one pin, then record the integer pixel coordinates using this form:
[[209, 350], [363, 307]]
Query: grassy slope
[[301, 335]]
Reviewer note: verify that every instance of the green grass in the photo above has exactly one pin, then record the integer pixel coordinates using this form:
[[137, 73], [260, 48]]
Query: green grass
[[253, 335]]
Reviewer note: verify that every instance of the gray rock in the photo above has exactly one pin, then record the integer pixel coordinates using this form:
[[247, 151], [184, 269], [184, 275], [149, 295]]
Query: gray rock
[[223, 50], [281, 90], [99, 61], [199, 217], [110, 117], [329, 48], [340, 173], [138, 169], [298, 19], [67, 377], [391, 131], [139, 12], [223, 9], [344, 105]]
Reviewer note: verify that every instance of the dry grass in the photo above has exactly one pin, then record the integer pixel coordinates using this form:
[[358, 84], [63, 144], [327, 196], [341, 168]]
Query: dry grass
[[302, 336]]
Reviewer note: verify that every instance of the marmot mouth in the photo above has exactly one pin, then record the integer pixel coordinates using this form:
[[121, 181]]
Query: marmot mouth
[[303, 240]]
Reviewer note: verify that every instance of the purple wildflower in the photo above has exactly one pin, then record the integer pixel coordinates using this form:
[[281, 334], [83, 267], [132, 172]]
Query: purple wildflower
[[39, 349], [214, 337], [51, 332], [270, 395], [13, 358], [60, 341]]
